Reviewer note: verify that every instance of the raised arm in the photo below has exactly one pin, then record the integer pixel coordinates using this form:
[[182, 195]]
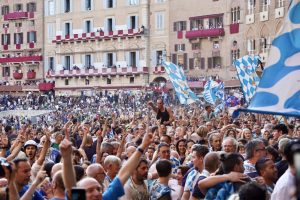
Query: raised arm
[[68, 169], [133, 161], [154, 108], [46, 146]]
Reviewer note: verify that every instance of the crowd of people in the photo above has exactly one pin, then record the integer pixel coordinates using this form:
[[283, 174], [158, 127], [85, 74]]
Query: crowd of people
[[131, 145]]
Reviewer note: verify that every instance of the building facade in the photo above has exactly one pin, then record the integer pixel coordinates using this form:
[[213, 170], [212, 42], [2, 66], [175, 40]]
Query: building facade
[[111, 44], [22, 42], [103, 44]]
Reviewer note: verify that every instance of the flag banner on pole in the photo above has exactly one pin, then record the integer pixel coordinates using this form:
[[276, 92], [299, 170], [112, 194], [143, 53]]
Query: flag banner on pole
[[214, 94], [246, 71], [279, 89], [179, 82]]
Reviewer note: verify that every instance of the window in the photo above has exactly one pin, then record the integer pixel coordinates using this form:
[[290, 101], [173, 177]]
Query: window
[[264, 5], [31, 22], [108, 81], [5, 39], [265, 43], [67, 63], [66, 81], [18, 7], [216, 22], [88, 61], [88, 26], [51, 30], [251, 5], [179, 47], [18, 24], [88, 4], [159, 57], [235, 54], [132, 59], [6, 25], [5, 71], [67, 6], [133, 2], [51, 7], [18, 38], [279, 3], [196, 24], [195, 46], [31, 7], [4, 10], [109, 3], [160, 1], [251, 46], [131, 80], [31, 36], [87, 81], [179, 26], [235, 15], [51, 63], [67, 28], [133, 22], [109, 24], [159, 20], [110, 59], [216, 45]]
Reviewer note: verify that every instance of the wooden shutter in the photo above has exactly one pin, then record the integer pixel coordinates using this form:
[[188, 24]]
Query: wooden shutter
[[28, 37], [174, 26], [174, 58], [183, 47], [15, 38], [176, 47], [202, 63], [191, 62], [209, 63], [2, 39], [185, 61]]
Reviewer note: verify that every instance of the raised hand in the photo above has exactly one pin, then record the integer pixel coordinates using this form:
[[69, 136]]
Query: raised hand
[[65, 148]]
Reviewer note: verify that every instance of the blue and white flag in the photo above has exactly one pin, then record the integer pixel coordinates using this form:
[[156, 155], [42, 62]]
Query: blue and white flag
[[279, 89], [179, 82], [213, 91], [246, 71]]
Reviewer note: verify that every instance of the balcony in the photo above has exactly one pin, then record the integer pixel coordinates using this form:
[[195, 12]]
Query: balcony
[[10, 88], [21, 59], [234, 28], [100, 72], [92, 36], [18, 15], [31, 75], [17, 75], [204, 33], [46, 86]]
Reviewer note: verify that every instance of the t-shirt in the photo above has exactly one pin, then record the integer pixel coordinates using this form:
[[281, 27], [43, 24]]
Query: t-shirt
[[196, 191], [250, 169], [191, 180], [134, 191], [157, 190], [114, 190], [36, 195]]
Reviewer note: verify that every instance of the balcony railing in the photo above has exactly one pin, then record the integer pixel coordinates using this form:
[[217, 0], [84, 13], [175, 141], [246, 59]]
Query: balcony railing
[[18, 15], [97, 35], [31, 75], [17, 75], [21, 59], [99, 72], [46, 86], [203, 33]]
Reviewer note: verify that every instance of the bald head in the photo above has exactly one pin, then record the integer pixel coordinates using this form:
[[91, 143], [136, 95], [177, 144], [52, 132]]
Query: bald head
[[56, 168], [130, 150], [211, 162], [93, 169]]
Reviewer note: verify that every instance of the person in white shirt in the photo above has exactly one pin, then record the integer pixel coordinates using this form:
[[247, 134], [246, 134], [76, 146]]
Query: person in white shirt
[[286, 186]]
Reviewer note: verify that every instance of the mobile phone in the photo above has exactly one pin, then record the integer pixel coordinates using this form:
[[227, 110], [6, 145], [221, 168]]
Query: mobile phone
[[78, 194]]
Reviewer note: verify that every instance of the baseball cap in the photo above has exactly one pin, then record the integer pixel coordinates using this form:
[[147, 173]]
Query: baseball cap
[[30, 142]]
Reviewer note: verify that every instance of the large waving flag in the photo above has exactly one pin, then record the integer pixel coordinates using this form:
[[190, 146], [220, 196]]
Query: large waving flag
[[279, 89], [214, 94], [246, 71], [179, 82]]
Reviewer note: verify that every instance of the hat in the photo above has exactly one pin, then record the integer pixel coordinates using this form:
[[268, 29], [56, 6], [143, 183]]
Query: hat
[[30, 142]]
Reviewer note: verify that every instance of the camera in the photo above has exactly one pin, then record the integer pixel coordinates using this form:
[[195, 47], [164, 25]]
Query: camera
[[78, 194]]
